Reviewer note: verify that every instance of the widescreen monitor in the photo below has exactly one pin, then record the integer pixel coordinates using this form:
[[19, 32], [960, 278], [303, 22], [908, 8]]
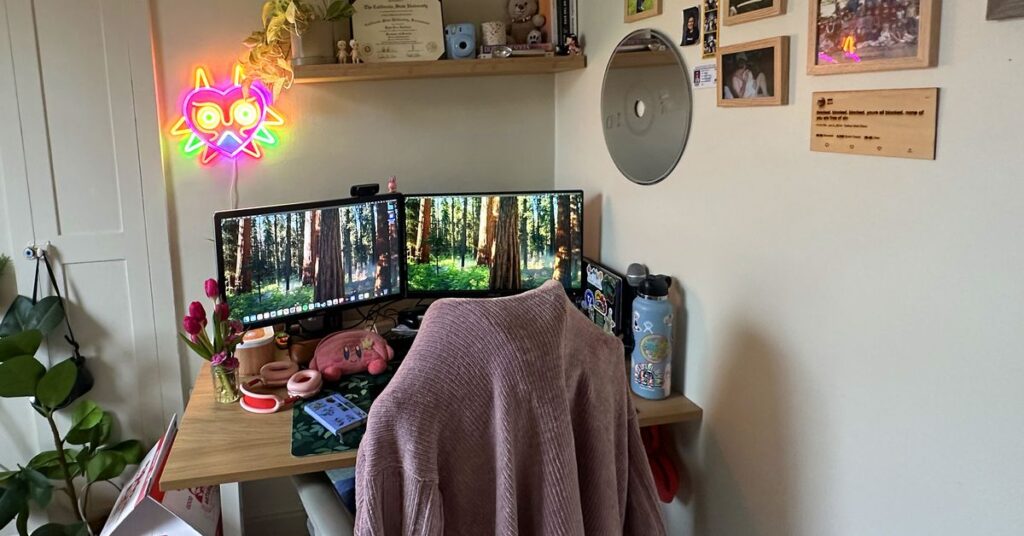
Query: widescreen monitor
[[288, 262], [486, 244]]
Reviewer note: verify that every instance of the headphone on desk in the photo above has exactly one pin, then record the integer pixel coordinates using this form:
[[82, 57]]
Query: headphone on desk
[[301, 385]]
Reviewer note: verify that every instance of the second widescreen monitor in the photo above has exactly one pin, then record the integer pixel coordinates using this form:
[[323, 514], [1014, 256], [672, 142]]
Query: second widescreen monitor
[[487, 244]]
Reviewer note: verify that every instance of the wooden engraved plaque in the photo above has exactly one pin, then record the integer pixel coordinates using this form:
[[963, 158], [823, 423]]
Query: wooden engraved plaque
[[890, 122]]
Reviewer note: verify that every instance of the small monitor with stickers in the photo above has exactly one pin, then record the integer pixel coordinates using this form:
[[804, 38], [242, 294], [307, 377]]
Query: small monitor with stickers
[[604, 297]]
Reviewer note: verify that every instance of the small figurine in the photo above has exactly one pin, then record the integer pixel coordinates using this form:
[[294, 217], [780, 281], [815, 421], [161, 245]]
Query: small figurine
[[342, 52], [572, 45], [392, 184], [354, 45]]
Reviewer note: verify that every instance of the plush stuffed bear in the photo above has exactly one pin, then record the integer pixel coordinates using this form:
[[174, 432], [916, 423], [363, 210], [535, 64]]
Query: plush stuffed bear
[[351, 352], [525, 19]]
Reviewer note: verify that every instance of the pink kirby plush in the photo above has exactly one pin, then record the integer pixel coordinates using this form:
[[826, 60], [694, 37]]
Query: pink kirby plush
[[351, 352]]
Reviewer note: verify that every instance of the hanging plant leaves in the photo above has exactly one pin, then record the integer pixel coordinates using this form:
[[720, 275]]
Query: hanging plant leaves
[[56, 385], [19, 376], [14, 320], [24, 343], [45, 315]]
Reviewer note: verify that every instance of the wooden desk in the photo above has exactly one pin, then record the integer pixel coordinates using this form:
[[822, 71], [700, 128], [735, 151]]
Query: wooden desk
[[222, 443]]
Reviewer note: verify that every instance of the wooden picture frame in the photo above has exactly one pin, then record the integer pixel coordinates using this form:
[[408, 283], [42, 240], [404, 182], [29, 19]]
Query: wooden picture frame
[[777, 7], [632, 15], [841, 59], [1004, 9], [777, 86]]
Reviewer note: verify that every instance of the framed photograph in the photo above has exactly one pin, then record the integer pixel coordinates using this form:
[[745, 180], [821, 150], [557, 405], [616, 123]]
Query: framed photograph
[[852, 36], [709, 28], [754, 73], [642, 9], [691, 26], [1005, 9], [740, 11]]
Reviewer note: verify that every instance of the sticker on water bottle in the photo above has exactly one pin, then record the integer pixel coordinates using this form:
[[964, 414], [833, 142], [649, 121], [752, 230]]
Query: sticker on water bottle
[[647, 376], [654, 348]]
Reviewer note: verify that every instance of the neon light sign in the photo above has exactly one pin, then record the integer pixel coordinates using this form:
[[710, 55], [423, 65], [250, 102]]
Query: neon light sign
[[223, 121]]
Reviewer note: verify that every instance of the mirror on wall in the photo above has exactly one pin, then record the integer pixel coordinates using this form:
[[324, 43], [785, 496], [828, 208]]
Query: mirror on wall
[[646, 106]]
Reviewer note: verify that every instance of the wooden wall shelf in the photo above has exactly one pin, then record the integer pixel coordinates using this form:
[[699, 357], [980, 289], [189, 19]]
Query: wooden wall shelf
[[334, 72]]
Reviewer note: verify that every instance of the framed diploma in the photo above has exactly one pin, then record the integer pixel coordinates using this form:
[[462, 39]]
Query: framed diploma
[[398, 30]]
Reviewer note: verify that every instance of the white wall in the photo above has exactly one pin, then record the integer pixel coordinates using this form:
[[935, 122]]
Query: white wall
[[855, 323], [435, 135]]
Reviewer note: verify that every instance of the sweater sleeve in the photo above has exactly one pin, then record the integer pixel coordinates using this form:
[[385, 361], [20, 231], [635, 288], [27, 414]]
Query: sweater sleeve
[[643, 515], [391, 503]]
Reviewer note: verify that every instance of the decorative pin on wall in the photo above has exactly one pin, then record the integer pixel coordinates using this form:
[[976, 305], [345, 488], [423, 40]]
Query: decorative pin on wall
[[223, 121]]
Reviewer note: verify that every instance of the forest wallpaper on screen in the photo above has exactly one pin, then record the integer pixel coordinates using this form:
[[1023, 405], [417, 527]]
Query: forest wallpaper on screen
[[297, 261], [479, 243]]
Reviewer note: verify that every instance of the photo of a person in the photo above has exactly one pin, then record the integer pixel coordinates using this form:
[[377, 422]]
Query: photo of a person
[[749, 75], [691, 29], [711, 22], [710, 44], [710, 5]]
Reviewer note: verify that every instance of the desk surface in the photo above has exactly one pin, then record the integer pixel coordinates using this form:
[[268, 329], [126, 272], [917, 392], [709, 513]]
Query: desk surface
[[222, 443]]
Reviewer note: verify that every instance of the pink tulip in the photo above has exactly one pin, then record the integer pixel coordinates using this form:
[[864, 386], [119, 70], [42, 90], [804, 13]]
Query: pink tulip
[[191, 325], [221, 311], [196, 311], [212, 288], [218, 358], [237, 326]]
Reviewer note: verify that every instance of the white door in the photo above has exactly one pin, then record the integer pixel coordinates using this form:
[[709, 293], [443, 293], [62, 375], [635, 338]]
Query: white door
[[81, 168]]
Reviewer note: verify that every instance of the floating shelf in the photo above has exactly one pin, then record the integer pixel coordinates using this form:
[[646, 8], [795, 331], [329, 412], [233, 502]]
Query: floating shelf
[[336, 72]]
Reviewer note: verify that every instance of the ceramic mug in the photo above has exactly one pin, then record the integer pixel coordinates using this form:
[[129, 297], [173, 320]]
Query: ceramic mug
[[494, 33]]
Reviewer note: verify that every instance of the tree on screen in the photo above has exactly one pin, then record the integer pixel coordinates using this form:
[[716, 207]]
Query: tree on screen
[[330, 280], [505, 267], [382, 249], [422, 250], [311, 246], [243, 273], [488, 224], [563, 241]]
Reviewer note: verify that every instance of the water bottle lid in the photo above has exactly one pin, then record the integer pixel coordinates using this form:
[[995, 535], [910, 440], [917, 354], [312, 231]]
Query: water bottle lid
[[655, 286]]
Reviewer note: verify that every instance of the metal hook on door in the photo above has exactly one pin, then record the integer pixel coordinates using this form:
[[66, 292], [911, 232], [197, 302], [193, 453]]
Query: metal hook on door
[[34, 252]]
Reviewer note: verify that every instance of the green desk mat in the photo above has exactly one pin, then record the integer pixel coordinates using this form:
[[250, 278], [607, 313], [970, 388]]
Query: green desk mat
[[309, 438]]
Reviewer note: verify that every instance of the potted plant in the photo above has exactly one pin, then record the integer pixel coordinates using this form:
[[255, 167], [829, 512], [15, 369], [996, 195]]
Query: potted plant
[[83, 454], [299, 32]]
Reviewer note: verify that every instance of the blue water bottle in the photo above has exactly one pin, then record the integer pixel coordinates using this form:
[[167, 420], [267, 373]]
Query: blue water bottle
[[650, 373]]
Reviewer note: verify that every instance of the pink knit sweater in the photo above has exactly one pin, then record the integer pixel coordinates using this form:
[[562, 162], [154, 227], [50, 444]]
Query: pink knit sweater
[[509, 416]]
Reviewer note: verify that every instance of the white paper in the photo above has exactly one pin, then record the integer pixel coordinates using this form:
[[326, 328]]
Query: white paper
[[705, 76]]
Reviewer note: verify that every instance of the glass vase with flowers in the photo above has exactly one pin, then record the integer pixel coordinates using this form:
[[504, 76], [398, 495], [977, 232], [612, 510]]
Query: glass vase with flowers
[[218, 349]]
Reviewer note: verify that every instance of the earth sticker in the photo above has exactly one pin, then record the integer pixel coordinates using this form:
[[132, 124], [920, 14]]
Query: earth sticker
[[654, 348]]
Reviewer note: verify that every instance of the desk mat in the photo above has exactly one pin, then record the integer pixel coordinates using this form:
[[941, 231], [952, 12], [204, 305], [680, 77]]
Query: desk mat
[[309, 438]]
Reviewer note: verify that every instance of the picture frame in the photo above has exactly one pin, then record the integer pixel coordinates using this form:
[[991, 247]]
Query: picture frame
[[869, 39], [750, 10], [754, 73], [641, 9], [709, 28], [1004, 9]]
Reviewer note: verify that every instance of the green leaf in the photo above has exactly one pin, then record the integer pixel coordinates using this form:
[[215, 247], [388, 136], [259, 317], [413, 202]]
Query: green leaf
[[13, 499], [104, 465], [56, 385], [56, 529], [45, 315], [101, 432], [47, 464], [84, 419], [14, 319], [19, 376], [131, 450], [24, 343], [197, 348], [40, 490], [22, 521]]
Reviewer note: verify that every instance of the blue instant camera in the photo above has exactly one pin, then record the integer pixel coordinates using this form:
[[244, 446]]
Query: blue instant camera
[[460, 41]]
